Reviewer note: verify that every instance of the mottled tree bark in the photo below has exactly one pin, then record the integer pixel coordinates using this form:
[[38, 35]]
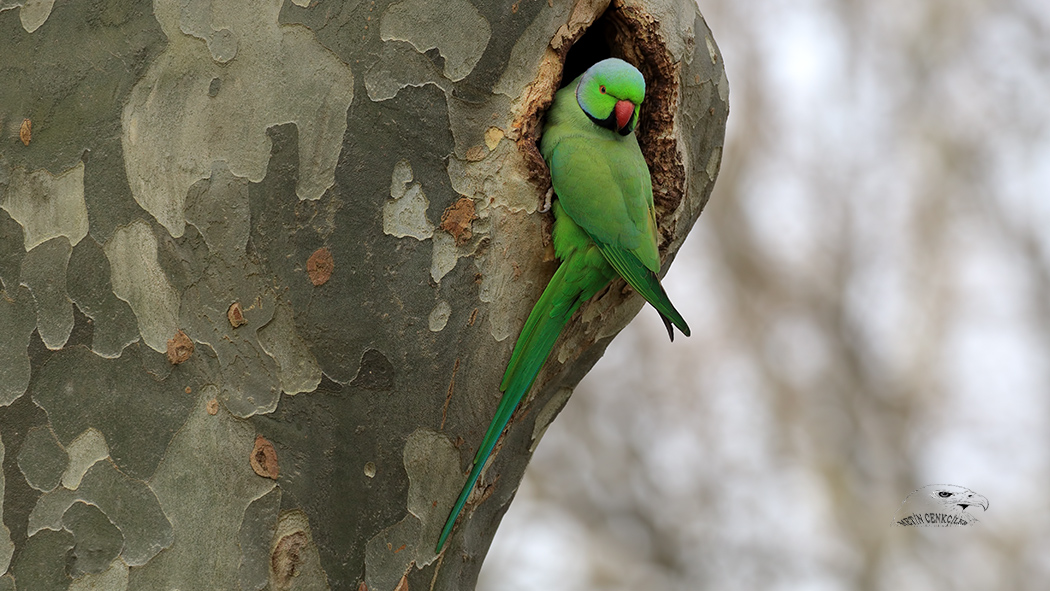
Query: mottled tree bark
[[263, 264]]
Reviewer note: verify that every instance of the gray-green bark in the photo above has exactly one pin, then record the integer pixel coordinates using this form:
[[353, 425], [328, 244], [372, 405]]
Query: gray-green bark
[[183, 157]]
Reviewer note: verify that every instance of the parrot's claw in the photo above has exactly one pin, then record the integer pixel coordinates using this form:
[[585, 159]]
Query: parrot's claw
[[546, 206]]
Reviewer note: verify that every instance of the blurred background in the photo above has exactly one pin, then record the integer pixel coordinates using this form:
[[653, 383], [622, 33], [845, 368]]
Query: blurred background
[[869, 293]]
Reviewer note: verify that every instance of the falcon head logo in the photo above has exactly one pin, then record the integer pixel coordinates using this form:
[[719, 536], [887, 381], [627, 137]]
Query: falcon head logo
[[940, 505]]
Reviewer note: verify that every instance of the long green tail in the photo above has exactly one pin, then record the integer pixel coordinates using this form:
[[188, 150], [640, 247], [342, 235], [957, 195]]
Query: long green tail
[[576, 280]]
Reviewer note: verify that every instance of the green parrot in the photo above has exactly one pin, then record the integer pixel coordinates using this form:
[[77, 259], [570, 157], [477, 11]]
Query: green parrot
[[605, 226]]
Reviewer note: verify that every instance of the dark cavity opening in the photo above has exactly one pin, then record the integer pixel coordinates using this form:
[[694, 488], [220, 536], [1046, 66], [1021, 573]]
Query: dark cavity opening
[[588, 50]]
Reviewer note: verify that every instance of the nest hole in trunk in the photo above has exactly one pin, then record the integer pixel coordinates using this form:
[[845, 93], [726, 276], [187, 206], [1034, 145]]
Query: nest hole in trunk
[[628, 33]]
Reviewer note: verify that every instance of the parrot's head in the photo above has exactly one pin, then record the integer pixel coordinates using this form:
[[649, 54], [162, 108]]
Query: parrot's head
[[610, 93]]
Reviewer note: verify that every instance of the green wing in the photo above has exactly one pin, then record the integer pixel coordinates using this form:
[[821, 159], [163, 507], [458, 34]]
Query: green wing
[[646, 283], [604, 186]]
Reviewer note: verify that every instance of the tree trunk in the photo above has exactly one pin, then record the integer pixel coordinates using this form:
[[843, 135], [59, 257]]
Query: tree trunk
[[263, 264]]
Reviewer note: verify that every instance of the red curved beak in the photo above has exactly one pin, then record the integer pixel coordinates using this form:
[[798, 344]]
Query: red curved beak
[[623, 110]]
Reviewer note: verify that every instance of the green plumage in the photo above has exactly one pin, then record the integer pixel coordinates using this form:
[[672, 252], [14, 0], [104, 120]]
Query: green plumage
[[605, 226]]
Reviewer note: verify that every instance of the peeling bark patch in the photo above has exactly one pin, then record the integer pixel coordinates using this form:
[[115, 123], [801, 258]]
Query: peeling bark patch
[[128, 503], [44, 273], [439, 316], [444, 256], [264, 458], [25, 132], [219, 208], [402, 585], [139, 280], [319, 266], [42, 459], [423, 23], [172, 130], [42, 560], [180, 348], [376, 373], [457, 218], [384, 567], [370, 469], [34, 13], [114, 326], [12, 245], [297, 368], [205, 487], [136, 414], [88, 448], [48, 206], [398, 67], [212, 407], [96, 540], [405, 214], [287, 557], [499, 285], [256, 540], [434, 479], [470, 120]]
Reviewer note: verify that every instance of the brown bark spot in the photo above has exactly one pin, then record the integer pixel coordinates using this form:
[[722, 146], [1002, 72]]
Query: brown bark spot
[[213, 407], [402, 584], [476, 153], [320, 266], [457, 218], [180, 348], [264, 458], [25, 133], [235, 314], [362, 587], [287, 557]]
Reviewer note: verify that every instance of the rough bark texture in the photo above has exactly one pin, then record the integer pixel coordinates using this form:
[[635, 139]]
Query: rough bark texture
[[263, 264]]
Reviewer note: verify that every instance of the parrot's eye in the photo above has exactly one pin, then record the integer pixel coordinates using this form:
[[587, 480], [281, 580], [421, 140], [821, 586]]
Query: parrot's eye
[[944, 494], [601, 89]]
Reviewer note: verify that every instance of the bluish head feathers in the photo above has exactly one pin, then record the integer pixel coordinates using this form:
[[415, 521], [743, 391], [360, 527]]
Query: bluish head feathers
[[610, 93]]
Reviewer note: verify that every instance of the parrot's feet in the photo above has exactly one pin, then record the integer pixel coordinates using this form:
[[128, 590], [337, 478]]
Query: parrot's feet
[[546, 205]]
